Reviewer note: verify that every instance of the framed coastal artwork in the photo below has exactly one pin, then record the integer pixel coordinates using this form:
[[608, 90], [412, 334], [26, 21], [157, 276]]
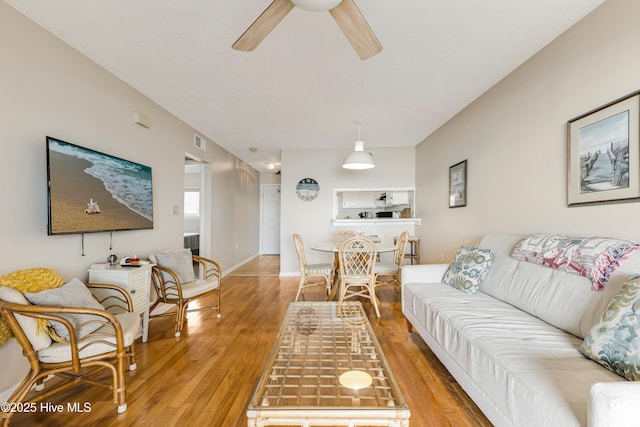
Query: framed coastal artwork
[[458, 185], [603, 154]]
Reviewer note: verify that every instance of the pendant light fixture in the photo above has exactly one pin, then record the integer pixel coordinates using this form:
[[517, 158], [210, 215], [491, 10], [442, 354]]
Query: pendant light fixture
[[359, 159]]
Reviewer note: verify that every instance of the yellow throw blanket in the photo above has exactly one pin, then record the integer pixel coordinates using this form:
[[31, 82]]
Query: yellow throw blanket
[[31, 280]]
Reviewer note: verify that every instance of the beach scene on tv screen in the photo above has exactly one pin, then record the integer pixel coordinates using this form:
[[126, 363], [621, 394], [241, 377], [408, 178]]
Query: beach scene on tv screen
[[91, 191]]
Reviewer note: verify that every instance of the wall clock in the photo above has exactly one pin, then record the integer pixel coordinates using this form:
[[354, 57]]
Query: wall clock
[[307, 189]]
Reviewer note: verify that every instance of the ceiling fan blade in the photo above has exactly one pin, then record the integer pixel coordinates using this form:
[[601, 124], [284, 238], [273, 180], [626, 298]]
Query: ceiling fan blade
[[356, 29], [262, 26]]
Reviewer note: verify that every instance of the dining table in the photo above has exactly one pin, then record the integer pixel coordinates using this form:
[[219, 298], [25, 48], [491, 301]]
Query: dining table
[[334, 248]]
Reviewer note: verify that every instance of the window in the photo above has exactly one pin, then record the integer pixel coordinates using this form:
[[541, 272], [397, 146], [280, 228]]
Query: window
[[192, 202]]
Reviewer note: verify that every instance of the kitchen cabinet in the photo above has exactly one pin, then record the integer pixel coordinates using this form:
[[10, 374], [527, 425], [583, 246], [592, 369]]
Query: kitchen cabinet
[[370, 203], [358, 200], [395, 198]]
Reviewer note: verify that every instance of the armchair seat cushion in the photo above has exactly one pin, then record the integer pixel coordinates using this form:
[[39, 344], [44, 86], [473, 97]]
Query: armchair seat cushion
[[383, 268], [100, 341], [318, 269], [198, 287]]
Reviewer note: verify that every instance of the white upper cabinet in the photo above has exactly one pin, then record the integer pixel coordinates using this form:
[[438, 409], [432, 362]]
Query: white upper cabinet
[[395, 198], [358, 200]]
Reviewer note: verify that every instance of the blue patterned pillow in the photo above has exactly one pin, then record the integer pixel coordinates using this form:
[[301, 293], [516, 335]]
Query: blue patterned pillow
[[614, 341], [469, 268]]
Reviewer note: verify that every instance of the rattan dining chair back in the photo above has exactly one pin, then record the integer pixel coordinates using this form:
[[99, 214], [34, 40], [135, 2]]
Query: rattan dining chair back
[[311, 274], [393, 270], [342, 235], [357, 257]]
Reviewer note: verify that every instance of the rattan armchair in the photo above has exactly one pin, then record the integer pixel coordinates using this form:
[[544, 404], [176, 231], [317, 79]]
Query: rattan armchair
[[178, 287], [110, 347]]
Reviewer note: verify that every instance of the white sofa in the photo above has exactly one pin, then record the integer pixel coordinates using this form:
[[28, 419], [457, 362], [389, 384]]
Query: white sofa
[[513, 345]]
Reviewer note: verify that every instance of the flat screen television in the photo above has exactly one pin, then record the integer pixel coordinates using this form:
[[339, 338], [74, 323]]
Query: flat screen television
[[90, 192]]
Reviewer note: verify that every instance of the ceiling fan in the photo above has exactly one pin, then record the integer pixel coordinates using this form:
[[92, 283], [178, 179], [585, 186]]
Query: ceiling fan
[[344, 12]]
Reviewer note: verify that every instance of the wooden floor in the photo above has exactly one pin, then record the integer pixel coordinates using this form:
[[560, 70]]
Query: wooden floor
[[265, 265], [206, 377]]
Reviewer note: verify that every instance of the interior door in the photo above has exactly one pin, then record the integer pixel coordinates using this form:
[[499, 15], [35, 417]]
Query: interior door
[[270, 224]]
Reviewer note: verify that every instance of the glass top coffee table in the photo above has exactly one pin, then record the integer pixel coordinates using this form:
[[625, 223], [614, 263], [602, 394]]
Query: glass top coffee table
[[327, 368]]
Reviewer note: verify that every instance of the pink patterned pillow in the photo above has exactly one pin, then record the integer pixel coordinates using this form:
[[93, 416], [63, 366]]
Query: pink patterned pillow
[[593, 257]]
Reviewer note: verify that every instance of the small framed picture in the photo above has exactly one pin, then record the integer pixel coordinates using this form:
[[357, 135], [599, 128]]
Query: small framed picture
[[458, 185], [603, 154]]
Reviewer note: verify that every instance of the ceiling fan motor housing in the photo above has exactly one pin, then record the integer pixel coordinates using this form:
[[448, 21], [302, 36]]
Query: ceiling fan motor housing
[[316, 5]]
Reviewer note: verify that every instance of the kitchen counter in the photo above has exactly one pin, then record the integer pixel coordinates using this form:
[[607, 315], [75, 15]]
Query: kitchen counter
[[376, 221]]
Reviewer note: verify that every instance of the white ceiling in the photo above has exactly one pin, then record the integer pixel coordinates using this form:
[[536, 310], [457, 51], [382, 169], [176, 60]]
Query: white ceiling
[[304, 86]]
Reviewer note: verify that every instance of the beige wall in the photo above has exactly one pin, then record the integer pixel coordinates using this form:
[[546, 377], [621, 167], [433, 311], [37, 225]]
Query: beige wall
[[514, 137], [269, 178], [48, 88]]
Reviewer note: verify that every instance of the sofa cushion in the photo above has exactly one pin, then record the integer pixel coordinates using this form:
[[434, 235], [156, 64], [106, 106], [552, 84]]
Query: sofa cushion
[[468, 269], [72, 294], [614, 341], [524, 367], [562, 299]]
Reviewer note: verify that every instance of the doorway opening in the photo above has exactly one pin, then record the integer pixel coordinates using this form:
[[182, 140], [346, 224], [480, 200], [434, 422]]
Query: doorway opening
[[270, 219], [197, 205]]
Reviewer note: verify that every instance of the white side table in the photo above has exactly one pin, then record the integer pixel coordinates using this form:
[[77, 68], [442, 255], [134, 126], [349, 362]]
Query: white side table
[[136, 280]]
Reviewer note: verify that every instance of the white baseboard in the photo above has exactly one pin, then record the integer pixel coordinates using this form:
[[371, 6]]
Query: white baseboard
[[289, 274], [238, 265]]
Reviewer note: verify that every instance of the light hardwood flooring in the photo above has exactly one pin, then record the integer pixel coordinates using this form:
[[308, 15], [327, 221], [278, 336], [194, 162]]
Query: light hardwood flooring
[[265, 265], [206, 377]]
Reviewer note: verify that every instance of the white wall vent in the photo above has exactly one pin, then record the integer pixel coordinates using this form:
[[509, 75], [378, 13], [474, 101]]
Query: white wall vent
[[199, 142]]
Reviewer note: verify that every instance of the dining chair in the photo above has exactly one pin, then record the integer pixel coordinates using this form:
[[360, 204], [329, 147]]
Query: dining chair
[[175, 282], [311, 274], [67, 333], [337, 239], [394, 270], [341, 235], [357, 257]]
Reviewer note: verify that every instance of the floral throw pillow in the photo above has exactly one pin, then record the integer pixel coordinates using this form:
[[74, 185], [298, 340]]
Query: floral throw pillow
[[592, 257], [614, 341], [469, 268]]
